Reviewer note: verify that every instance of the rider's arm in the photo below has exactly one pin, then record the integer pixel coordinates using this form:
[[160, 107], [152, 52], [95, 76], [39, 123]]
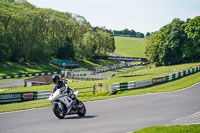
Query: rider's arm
[[54, 89], [69, 91]]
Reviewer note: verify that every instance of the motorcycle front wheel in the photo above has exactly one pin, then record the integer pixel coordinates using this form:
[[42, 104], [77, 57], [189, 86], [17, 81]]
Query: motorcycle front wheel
[[60, 113], [81, 109]]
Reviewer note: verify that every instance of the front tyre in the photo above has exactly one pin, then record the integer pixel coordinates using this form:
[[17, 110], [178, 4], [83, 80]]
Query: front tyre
[[81, 109], [59, 112]]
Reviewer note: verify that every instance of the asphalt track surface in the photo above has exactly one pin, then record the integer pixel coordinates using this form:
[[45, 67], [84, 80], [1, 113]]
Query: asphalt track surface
[[11, 83], [117, 115]]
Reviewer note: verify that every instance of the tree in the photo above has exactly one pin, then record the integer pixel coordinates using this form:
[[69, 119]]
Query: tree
[[37, 34], [139, 35], [192, 44], [148, 34], [165, 45], [127, 32]]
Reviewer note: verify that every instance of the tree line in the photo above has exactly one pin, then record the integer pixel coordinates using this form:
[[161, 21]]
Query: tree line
[[176, 42], [37, 34], [129, 33]]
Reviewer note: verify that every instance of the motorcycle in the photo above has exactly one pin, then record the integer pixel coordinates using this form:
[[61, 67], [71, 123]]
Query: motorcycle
[[63, 105]]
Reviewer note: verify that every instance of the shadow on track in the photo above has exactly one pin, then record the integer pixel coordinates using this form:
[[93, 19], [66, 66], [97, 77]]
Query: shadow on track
[[83, 117]]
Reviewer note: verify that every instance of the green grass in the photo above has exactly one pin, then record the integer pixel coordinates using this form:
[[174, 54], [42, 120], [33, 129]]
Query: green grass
[[147, 73], [12, 68], [25, 105], [130, 47], [171, 129], [95, 63]]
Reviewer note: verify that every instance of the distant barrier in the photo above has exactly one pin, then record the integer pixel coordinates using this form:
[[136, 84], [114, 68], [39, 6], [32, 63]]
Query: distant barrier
[[75, 72], [29, 75], [17, 97], [148, 82], [23, 96], [121, 58], [112, 67], [93, 71], [85, 78]]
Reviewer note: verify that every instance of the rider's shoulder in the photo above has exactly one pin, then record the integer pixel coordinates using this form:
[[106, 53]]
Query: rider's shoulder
[[64, 81]]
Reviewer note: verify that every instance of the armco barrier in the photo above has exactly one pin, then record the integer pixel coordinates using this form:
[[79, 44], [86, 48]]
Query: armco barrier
[[23, 96], [122, 86], [143, 83], [28, 75], [154, 81], [43, 94], [159, 80], [17, 97]]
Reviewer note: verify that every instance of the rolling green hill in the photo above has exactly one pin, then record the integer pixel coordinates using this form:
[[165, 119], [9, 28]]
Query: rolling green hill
[[130, 47]]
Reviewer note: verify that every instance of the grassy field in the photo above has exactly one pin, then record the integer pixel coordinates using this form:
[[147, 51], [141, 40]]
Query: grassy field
[[95, 63], [171, 129], [130, 47], [12, 68]]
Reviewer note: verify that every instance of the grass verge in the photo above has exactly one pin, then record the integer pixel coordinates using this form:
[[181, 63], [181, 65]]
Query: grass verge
[[130, 47], [170, 86], [171, 129], [13, 68]]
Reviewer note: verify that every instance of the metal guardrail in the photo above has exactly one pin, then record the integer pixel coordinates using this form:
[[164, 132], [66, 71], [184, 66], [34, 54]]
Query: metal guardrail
[[17, 97], [148, 82], [43, 94], [29, 75], [23, 96]]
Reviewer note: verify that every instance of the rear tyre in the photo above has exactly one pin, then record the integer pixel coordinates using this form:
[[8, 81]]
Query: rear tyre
[[81, 109], [60, 113]]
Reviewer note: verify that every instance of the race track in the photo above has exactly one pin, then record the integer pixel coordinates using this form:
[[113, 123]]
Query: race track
[[118, 115]]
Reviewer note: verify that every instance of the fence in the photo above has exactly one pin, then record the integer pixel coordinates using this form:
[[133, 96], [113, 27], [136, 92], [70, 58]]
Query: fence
[[148, 82], [85, 78], [112, 67], [23, 96], [27, 96], [28, 75], [92, 71], [97, 87], [88, 89], [17, 97]]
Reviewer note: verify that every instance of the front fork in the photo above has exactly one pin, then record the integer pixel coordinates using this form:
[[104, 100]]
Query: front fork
[[60, 105]]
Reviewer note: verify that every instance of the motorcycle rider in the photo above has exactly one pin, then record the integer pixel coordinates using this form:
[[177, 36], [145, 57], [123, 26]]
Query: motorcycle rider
[[63, 86]]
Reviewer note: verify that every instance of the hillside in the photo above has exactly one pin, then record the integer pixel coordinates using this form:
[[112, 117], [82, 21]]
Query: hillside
[[130, 47]]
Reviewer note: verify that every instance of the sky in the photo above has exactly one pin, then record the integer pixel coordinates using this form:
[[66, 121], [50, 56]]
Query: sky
[[140, 15]]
